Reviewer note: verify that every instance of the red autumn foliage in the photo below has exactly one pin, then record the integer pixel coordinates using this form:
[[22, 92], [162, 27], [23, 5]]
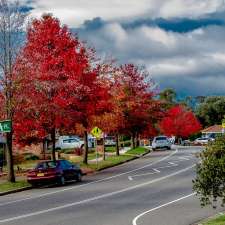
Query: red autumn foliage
[[60, 87], [179, 122], [51, 64], [134, 92]]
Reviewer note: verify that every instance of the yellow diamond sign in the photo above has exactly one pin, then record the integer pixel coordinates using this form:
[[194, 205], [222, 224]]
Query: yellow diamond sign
[[96, 132]]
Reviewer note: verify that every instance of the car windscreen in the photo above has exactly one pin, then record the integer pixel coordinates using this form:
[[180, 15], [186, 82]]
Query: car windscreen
[[70, 140], [110, 138], [46, 165], [160, 138]]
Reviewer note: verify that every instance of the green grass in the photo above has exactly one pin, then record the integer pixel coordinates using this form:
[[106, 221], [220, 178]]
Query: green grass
[[110, 148], [137, 151], [219, 220], [93, 155], [7, 186], [110, 161]]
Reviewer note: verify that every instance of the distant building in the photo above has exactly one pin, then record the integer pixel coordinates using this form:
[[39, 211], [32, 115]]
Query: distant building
[[212, 131]]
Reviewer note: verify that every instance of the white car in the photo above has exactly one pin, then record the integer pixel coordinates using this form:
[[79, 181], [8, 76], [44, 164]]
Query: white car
[[67, 142], [110, 141], [160, 142], [203, 140]]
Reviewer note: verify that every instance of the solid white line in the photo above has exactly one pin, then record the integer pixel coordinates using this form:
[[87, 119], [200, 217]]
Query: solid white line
[[93, 182], [94, 198], [134, 222]]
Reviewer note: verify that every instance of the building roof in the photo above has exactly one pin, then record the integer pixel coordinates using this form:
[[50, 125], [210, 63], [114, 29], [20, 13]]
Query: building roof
[[213, 129]]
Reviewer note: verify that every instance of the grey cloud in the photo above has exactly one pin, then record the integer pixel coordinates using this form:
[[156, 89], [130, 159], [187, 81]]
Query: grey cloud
[[75, 12], [189, 62]]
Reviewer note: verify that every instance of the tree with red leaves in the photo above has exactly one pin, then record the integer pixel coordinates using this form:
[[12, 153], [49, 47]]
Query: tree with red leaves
[[90, 102], [135, 92], [179, 122], [56, 73], [61, 87]]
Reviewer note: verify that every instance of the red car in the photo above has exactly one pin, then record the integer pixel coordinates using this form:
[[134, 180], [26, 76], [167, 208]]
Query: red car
[[57, 172]]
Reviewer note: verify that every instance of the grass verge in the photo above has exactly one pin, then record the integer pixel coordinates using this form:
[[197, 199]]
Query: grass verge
[[137, 151], [218, 220], [110, 148], [116, 160], [7, 186], [110, 161]]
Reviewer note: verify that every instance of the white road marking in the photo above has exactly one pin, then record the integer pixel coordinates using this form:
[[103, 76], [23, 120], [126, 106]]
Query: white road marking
[[90, 183], [94, 198], [156, 170], [134, 222]]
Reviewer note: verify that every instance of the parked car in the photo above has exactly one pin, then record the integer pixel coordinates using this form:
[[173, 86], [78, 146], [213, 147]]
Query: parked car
[[110, 141], [67, 142], [202, 140], [50, 172], [160, 142]]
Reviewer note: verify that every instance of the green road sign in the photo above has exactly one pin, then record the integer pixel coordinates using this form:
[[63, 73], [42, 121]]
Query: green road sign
[[96, 132], [5, 126]]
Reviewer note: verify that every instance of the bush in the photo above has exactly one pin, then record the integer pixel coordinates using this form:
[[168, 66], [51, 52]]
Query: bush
[[210, 180], [18, 159], [126, 143], [195, 136], [31, 156], [78, 151]]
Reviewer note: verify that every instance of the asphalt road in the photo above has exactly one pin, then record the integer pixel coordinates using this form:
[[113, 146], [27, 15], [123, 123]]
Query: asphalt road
[[153, 190]]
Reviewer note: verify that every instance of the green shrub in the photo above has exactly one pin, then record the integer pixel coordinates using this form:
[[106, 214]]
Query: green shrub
[[195, 136], [210, 180], [31, 156]]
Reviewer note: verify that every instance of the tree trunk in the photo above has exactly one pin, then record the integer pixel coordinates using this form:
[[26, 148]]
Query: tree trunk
[[117, 145], [103, 150], [53, 144], [44, 148], [137, 140], [133, 141], [85, 155], [9, 158]]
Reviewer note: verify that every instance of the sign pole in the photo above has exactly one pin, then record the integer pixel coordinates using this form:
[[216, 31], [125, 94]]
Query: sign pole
[[96, 153]]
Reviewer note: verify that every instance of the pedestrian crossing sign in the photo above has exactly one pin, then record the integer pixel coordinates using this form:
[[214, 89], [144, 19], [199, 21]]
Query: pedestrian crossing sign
[[96, 132]]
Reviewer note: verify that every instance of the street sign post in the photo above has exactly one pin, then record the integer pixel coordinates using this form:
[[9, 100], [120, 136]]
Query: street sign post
[[98, 133], [5, 126]]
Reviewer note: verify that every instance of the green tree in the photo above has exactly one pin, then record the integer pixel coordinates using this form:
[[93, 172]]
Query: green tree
[[168, 97], [211, 111], [210, 180]]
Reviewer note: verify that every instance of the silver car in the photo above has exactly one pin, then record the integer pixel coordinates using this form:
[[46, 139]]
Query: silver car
[[161, 142]]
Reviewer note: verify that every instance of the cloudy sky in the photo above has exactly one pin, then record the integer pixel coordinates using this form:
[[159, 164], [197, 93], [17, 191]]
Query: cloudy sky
[[181, 42]]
